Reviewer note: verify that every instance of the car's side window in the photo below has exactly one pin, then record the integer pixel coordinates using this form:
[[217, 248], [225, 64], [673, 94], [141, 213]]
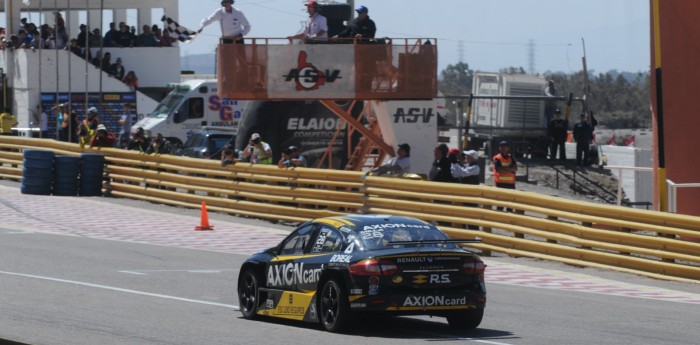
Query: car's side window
[[297, 241], [329, 240]]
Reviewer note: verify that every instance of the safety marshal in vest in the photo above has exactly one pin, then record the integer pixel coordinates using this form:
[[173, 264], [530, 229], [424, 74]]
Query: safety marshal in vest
[[504, 167]]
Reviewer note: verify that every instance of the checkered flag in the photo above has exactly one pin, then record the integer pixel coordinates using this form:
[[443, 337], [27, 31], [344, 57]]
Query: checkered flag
[[177, 31]]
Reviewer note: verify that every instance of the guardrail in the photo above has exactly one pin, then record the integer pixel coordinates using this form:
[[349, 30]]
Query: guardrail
[[578, 233]]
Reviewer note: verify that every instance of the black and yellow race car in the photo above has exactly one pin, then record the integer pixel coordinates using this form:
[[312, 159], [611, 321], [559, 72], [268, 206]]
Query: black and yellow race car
[[330, 270]]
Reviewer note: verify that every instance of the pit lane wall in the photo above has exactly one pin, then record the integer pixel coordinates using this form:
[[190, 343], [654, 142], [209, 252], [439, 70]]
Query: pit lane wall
[[578, 233]]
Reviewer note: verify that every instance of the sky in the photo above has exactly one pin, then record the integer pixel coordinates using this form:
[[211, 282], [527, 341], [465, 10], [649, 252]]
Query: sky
[[493, 34]]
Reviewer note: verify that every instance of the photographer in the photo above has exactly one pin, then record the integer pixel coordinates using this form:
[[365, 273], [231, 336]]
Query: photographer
[[441, 170], [228, 155], [291, 158], [257, 151]]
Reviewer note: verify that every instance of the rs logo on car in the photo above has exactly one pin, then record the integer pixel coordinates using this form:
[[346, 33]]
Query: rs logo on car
[[439, 278]]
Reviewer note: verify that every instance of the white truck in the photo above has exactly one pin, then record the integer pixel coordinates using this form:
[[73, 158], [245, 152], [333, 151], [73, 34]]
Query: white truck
[[497, 117], [189, 106]]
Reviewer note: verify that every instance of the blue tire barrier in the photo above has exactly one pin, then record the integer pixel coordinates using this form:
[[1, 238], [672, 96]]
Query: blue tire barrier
[[37, 172], [91, 171], [65, 179], [38, 154], [35, 190]]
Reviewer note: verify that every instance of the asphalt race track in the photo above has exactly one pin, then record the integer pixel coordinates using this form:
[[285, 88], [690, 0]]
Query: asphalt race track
[[114, 271]]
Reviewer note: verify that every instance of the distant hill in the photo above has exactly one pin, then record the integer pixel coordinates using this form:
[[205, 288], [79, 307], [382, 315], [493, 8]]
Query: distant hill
[[200, 63]]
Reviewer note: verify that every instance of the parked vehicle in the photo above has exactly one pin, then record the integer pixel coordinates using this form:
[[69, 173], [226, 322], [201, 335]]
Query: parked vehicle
[[208, 142]]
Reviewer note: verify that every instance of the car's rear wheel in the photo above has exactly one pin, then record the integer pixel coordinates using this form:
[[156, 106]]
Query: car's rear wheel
[[465, 319], [248, 293], [333, 306]]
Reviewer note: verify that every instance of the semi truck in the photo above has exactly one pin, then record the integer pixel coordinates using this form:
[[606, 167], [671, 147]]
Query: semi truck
[[509, 107]]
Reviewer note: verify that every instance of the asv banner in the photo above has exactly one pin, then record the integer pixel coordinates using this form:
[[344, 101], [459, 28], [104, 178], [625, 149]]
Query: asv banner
[[311, 71]]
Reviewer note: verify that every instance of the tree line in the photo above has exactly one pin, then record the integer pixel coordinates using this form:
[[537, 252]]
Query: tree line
[[619, 99]]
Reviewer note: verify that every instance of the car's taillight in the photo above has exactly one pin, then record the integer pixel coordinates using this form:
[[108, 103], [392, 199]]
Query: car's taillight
[[371, 267], [473, 265], [388, 267]]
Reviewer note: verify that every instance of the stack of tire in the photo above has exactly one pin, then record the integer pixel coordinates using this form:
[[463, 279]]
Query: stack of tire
[[37, 173], [65, 177], [91, 174]]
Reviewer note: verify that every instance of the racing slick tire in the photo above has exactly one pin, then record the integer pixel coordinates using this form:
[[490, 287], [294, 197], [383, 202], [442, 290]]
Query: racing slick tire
[[248, 294], [334, 308], [465, 319]]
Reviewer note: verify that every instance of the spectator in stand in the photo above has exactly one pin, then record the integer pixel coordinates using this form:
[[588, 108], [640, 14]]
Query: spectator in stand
[[401, 164], [50, 40], [147, 38], [74, 48], [316, 27], [557, 131], [26, 40], [123, 38], [13, 42], [102, 137], [109, 36], [467, 169], [583, 134], [131, 80], [106, 61], [95, 39], [60, 31], [361, 27], [159, 146], [139, 141], [164, 39], [258, 151], [233, 22], [504, 167], [440, 171], [97, 61], [82, 36], [117, 70], [124, 127], [291, 158]]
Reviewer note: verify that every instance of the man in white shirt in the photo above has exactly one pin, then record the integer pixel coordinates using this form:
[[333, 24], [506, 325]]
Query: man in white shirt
[[401, 164], [234, 24], [467, 171], [316, 27]]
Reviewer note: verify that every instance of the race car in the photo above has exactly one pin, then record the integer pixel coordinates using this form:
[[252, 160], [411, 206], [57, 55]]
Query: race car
[[331, 270]]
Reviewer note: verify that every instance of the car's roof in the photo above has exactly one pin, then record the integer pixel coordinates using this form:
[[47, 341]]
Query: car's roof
[[360, 222]]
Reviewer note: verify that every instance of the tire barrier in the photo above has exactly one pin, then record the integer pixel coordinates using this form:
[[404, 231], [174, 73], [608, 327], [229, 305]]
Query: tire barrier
[[91, 172], [37, 172], [65, 177], [578, 233]]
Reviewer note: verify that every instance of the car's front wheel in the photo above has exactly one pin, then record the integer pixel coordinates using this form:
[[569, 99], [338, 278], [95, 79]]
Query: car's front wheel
[[333, 308], [248, 293], [465, 319]]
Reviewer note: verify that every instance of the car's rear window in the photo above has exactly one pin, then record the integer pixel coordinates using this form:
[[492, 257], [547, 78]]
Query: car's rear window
[[380, 236]]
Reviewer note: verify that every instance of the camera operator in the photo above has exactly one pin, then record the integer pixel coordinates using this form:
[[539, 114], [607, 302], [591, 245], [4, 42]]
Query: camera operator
[[440, 172], [257, 151]]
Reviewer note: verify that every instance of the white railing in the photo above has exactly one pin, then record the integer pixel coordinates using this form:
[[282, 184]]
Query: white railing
[[619, 177], [673, 192]]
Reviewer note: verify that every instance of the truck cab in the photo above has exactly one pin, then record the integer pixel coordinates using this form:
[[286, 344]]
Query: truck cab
[[189, 106]]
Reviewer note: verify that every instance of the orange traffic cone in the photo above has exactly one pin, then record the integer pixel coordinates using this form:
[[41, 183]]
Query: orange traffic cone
[[204, 219]]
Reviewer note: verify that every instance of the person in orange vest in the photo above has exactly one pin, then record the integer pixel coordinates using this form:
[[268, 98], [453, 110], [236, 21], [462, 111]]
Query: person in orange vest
[[504, 167]]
